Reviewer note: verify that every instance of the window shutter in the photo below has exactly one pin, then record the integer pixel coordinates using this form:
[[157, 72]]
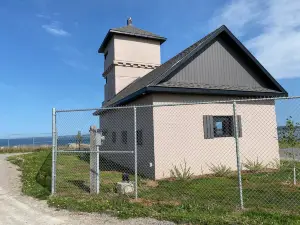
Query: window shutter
[[240, 125], [208, 127]]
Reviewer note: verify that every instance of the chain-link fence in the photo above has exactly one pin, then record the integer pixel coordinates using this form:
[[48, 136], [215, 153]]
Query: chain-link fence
[[25, 140], [225, 154]]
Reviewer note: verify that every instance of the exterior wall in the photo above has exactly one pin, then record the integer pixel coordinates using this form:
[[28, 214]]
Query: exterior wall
[[119, 120], [110, 86], [219, 65], [126, 75], [130, 58], [110, 54], [138, 50], [178, 134]]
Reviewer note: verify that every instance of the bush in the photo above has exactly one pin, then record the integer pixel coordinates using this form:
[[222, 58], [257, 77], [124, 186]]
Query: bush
[[254, 166], [181, 173], [220, 170]]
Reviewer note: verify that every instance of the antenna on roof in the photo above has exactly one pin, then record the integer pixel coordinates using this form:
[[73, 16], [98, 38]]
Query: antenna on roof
[[129, 21]]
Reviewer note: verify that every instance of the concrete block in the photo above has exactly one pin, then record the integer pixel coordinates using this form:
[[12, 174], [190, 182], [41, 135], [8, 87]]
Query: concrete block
[[125, 187]]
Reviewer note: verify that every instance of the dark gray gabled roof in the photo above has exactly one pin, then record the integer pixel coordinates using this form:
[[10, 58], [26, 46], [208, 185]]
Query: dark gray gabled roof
[[156, 79], [130, 30]]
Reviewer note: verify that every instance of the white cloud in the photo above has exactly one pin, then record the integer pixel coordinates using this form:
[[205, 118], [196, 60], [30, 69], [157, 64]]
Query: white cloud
[[55, 29], [276, 25], [237, 14], [42, 16]]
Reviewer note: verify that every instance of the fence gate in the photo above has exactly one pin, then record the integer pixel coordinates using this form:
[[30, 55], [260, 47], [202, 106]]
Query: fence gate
[[88, 157]]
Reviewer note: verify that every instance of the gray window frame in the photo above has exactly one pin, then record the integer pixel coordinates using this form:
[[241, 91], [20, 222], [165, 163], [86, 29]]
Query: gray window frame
[[209, 126]]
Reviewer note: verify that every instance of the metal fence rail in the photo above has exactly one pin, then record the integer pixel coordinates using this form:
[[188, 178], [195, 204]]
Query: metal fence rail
[[236, 153]]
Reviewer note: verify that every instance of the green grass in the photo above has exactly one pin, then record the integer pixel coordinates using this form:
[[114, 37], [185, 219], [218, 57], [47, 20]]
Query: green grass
[[32, 165], [283, 144], [269, 197], [23, 149]]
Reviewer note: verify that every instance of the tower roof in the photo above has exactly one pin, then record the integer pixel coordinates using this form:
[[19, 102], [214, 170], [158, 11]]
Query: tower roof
[[130, 30]]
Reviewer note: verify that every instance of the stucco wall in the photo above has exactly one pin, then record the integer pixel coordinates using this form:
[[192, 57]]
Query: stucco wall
[[131, 58], [126, 75], [137, 50], [110, 54], [109, 88], [119, 120], [178, 134]]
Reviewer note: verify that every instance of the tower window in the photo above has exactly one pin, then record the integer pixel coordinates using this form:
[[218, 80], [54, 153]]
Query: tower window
[[105, 55]]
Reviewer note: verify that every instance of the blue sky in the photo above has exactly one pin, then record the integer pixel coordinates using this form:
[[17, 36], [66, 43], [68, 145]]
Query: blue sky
[[49, 48]]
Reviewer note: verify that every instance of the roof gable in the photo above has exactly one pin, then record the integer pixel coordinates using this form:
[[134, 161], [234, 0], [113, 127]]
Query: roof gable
[[218, 66], [157, 77]]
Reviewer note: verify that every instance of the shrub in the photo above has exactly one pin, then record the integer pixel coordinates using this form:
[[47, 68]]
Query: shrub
[[181, 173], [254, 166], [220, 170]]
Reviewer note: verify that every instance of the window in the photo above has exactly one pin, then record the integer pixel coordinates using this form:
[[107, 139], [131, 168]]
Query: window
[[220, 126], [106, 80], [223, 126], [105, 55], [139, 137], [124, 137], [114, 137]]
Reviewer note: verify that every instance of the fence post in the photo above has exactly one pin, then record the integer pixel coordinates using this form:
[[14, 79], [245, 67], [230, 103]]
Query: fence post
[[237, 148], [54, 143], [135, 155], [94, 161]]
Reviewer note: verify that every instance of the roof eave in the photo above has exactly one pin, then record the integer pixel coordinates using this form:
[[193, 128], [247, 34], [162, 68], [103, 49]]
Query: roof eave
[[111, 32], [105, 42], [180, 90], [123, 101]]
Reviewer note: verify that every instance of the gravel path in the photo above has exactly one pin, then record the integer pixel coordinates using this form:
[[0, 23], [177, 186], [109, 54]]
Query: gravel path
[[16, 209]]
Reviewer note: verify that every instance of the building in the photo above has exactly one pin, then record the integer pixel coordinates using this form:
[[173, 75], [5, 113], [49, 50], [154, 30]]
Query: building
[[217, 67]]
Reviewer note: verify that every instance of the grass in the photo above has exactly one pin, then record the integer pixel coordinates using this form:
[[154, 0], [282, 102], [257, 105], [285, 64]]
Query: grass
[[23, 149], [283, 144], [32, 165], [269, 197]]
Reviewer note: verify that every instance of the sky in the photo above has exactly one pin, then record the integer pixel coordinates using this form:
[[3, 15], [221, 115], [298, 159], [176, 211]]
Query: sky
[[49, 48]]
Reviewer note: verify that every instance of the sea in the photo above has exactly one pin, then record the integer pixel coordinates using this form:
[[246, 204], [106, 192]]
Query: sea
[[38, 141], [67, 139]]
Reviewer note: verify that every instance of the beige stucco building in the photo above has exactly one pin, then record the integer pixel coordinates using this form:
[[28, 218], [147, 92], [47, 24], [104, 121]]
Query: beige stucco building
[[217, 67]]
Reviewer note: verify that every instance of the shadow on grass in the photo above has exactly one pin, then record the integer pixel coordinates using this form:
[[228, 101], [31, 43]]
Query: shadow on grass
[[107, 165], [43, 176]]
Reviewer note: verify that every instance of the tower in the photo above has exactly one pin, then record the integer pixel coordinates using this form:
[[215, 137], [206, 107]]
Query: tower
[[129, 53]]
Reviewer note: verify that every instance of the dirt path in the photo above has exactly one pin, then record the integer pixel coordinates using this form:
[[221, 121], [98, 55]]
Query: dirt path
[[16, 209]]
